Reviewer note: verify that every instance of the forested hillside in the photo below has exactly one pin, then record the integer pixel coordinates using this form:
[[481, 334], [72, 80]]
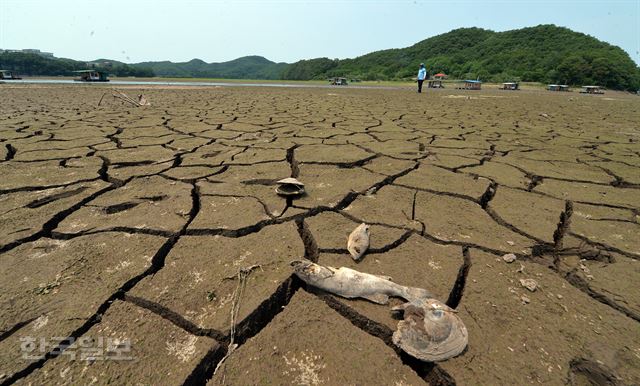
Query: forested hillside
[[248, 67], [33, 64], [545, 53]]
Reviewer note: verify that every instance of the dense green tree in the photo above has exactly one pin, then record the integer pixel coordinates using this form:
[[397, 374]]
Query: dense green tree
[[310, 69]]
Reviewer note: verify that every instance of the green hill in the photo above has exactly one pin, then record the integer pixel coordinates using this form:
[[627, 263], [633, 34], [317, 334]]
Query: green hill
[[33, 64], [545, 53], [248, 67]]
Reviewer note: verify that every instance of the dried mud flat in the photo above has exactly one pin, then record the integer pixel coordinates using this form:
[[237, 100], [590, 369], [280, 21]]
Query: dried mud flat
[[132, 224]]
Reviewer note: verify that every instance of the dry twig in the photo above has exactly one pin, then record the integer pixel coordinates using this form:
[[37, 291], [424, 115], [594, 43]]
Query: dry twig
[[117, 94], [242, 276]]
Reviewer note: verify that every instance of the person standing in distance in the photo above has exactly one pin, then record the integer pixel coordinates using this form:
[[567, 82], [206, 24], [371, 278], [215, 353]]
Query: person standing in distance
[[422, 75]]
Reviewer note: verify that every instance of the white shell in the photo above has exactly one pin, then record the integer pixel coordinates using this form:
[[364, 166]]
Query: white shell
[[529, 284], [290, 180], [431, 331], [358, 241], [290, 187], [509, 258]]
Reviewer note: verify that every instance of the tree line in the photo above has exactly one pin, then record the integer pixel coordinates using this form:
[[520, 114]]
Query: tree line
[[33, 64], [545, 53]]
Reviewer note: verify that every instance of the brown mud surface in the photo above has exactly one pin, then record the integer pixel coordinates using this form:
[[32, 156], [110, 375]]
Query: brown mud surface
[[160, 227]]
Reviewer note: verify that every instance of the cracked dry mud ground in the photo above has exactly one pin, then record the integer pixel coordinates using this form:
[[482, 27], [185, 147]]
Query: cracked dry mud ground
[[130, 223]]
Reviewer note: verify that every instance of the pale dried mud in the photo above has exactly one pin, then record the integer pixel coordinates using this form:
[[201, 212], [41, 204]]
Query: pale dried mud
[[133, 223]]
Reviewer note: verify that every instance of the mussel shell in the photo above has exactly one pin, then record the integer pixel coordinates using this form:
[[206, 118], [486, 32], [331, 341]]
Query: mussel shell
[[290, 180], [290, 190], [431, 331]]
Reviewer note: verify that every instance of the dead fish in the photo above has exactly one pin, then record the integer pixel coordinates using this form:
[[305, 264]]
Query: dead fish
[[358, 241], [289, 187], [351, 284], [430, 331]]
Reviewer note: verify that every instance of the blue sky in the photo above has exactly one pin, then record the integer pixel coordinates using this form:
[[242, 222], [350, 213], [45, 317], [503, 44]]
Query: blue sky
[[214, 31]]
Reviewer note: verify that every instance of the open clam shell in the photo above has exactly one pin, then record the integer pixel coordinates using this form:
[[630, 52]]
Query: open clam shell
[[289, 187], [358, 241], [430, 331]]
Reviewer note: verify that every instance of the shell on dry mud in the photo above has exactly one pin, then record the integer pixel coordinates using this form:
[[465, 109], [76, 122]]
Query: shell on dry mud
[[529, 284], [509, 258], [358, 241], [430, 331], [289, 187]]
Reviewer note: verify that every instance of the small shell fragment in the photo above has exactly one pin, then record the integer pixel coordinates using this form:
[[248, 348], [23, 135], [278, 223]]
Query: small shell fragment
[[529, 284], [358, 241], [289, 187], [509, 258]]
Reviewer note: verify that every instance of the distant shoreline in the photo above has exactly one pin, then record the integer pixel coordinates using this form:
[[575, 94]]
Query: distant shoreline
[[450, 85]]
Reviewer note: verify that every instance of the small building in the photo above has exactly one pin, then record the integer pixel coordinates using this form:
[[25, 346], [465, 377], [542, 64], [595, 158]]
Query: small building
[[338, 81], [436, 83], [92, 76], [510, 86], [558, 87], [591, 90], [8, 75], [470, 85], [38, 52], [440, 76]]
